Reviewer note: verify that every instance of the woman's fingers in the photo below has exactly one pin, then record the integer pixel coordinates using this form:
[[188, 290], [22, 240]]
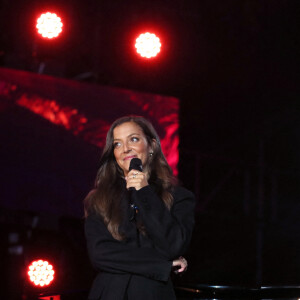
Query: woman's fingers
[[136, 179], [181, 263]]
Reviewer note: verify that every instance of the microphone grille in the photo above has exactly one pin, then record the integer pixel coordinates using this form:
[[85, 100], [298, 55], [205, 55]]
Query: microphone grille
[[136, 164]]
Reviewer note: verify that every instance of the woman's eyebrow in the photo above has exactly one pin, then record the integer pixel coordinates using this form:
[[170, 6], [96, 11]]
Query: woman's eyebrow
[[117, 139], [133, 134]]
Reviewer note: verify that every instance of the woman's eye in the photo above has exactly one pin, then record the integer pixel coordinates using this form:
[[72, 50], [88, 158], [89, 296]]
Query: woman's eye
[[117, 145], [134, 139]]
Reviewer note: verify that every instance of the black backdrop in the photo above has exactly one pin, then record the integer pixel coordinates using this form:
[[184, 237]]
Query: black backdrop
[[234, 67]]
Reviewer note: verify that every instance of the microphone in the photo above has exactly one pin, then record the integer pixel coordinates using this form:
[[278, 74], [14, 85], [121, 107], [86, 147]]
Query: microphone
[[135, 164]]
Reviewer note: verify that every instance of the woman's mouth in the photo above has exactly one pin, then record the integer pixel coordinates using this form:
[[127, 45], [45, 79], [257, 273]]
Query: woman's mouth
[[129, 157]]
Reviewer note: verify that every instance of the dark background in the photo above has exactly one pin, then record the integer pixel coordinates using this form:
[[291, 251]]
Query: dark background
[[234, 67]]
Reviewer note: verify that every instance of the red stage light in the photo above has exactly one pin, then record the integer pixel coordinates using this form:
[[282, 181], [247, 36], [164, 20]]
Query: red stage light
[[49, 25], [40, 273], [148, 45]]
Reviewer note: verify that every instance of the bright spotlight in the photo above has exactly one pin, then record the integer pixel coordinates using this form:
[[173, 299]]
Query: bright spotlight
[[49, 25], [40, 273], [148, 45]]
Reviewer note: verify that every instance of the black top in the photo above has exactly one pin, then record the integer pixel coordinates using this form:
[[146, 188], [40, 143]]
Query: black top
[[139, 267]]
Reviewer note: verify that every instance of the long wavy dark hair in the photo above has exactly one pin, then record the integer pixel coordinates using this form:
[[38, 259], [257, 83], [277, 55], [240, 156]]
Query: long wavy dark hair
[[110, 187]]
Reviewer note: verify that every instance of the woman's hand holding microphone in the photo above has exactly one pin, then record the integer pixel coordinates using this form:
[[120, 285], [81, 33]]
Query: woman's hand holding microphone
[[136, 179]]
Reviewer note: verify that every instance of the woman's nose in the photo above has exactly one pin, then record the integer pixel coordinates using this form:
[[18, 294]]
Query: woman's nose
[[126, 147]]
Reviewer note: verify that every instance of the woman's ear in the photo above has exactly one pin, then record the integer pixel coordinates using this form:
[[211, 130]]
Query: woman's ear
[[153, 145]]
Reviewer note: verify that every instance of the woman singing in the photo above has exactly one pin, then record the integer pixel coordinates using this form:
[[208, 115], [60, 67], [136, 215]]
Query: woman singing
[[138, 221]]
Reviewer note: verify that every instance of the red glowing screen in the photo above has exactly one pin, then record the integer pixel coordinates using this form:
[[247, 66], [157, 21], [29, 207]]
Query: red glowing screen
[[49, 25], [40, 273], [65, 104]]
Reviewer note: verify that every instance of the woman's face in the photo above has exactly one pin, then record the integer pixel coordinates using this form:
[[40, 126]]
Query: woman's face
[[129, 141]]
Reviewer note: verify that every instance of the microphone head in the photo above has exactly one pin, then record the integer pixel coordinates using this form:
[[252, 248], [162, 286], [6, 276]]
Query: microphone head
[[136, 164]]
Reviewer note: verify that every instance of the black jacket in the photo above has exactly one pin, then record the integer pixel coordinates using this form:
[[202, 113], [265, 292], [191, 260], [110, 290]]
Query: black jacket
[[139, 267]]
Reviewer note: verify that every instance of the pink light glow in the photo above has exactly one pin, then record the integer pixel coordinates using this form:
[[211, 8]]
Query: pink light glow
[[49, 25], [148, 45], [40, 273], [67, 117]]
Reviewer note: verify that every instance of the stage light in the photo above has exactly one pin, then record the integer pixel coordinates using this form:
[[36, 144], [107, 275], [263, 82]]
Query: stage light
[[40, 273], [148, 45], [49, 25]]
